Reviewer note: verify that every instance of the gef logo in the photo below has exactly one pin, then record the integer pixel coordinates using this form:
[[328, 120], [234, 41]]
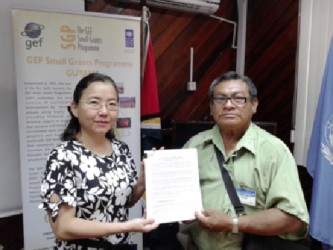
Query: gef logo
[[33, 31]]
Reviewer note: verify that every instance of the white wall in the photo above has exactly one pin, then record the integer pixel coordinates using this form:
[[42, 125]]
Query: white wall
[[316, 29], [10, 180]]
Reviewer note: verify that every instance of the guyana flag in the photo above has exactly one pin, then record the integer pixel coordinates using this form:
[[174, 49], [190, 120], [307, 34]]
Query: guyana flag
[[150, 108]]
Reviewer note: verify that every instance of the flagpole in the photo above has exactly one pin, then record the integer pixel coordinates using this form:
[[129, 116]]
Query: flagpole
[[145, 37]]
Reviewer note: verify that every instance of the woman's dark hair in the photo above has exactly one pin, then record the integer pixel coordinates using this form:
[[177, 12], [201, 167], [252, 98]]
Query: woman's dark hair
[[231, 75], [73, 126]]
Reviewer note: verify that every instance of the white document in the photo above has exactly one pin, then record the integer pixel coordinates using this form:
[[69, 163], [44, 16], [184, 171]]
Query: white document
[[172, 185]]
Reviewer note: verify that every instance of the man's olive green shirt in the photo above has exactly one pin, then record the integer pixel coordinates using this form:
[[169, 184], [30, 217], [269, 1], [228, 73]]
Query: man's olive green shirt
[[260, 162]]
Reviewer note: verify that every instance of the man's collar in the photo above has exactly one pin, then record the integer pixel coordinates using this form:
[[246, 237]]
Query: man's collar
[[247, 141]]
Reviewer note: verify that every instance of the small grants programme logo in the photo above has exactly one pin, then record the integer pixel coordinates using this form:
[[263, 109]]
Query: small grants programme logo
[[33, 31], [129, 38]]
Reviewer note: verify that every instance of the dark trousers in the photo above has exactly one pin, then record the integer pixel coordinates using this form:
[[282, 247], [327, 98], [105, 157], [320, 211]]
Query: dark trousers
[[85, 244]]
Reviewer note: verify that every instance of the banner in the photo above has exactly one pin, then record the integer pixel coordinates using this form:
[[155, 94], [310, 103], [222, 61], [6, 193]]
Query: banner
[[320, 159], [10, 177], [53, 51]]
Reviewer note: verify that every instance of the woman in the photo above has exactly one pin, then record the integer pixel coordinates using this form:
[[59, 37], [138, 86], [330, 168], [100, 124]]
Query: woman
[[91, 179]]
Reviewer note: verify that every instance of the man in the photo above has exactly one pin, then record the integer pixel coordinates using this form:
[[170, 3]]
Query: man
[[261, 167]]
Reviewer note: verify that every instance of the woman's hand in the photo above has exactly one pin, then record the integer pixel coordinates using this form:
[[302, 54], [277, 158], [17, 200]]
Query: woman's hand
[[141, 178], [140, 186], [142, 225]]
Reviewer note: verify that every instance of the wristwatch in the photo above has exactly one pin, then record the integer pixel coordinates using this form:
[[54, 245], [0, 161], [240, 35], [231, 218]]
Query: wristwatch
[[235, 225]]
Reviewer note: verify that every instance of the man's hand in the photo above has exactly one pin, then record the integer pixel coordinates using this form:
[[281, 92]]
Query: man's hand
[[214, 221]]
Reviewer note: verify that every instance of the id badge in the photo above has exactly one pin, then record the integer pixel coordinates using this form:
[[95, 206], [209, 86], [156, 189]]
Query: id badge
[[246, 196]]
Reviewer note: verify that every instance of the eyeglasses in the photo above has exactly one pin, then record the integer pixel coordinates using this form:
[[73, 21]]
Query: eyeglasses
[[236, 100], [96, 105]]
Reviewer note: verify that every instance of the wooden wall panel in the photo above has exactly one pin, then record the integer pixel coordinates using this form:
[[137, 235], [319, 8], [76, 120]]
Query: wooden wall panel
[[271, 44], [271, 59]]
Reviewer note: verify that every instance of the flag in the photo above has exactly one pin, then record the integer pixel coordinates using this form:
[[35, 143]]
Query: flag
[[150, 109], [320, 159]]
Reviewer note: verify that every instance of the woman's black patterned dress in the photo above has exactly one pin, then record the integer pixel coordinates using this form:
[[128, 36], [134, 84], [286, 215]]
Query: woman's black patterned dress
[[98, 187]]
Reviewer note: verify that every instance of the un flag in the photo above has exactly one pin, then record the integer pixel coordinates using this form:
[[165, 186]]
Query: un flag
[[320, 160]]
